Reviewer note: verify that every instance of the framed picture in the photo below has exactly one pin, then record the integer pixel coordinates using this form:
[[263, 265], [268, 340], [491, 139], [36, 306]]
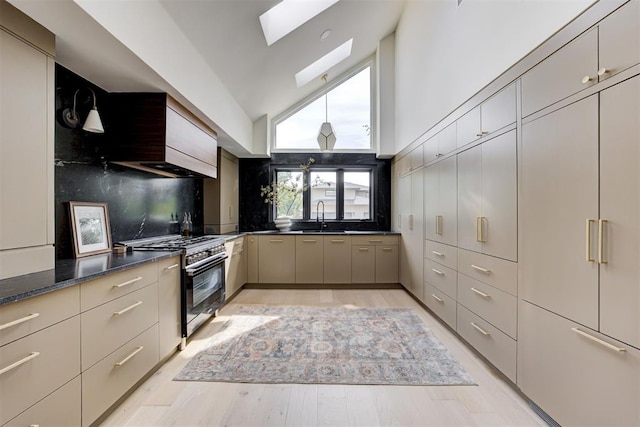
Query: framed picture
[[90, 228]]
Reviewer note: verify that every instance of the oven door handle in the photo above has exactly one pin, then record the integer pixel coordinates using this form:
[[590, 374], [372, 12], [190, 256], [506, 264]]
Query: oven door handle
[[205, 264]]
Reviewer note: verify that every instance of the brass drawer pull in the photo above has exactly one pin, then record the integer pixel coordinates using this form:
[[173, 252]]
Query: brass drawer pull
[[33, 355], [436, 253], [309, 241], [126, 359], [375, 241], [124, 310], [482, 294], [18, 321], [275, 240], [171, 267], [337, 241], [599, 341], [437, 298], [128, 282], [482, 331], [438, 272], [482, 269], [363, 249], [387, 249]]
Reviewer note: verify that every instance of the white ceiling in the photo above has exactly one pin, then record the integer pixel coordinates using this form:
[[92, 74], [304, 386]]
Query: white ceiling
[[228, 36]]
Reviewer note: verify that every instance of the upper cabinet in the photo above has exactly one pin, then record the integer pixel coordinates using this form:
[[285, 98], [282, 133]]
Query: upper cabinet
[[441, 144], [605, 50], [152, 132], [26, 145], [221, 196], [492, 115]]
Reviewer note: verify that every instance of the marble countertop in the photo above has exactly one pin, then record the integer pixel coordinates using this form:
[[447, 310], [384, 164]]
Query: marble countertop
[[71, 272], [329, 232]]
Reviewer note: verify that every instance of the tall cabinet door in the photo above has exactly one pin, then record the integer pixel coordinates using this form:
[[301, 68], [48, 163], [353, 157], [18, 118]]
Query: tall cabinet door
[[432, 201], [558, 268], [448, 201], [499, 197], [469, 198], [620, 207]]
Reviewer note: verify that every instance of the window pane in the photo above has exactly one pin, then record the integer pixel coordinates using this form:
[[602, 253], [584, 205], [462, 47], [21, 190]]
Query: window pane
[[323, 188], [357, 200], [289, 201], [349, 111]]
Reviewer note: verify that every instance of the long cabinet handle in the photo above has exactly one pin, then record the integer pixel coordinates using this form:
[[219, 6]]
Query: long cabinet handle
[[387, 249], [482, 269], [480, 237], [436, 297], [275, 240], [436, 253], [171, 267], [128, 282], [375, 241], [598, 340], [363, 249], [482, 331], [124, 310], [126, 359], [482, 294], [20, 320], [601, 224], [309, 240], [337, 241], [589, 258], [439, 224], [14, 365], [438, 272]]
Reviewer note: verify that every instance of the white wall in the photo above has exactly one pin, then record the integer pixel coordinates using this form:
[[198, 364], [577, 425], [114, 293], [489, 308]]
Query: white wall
[[445, 53]]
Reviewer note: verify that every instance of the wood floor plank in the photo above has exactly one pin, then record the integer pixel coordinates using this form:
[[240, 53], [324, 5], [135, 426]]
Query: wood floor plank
[[160, 401]]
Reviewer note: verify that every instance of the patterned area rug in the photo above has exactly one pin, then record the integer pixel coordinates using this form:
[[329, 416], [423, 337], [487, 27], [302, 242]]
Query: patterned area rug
[[316, 345]]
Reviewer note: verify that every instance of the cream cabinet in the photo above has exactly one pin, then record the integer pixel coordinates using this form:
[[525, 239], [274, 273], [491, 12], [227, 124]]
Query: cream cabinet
[[35, 366], [440, 144], [26, 132], [487, 197], [387, 264], [441, 203], [337, 259], [573, 372], [492, 115], [412, 229], [605, 50], [221, 196], [441, 304], [363, 264], [374, 259], [169, 307], [276, 259], [309, 259], [252, 259], [235, 266]]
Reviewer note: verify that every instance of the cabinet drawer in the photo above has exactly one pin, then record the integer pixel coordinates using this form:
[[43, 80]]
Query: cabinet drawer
[[33, 314], [107, 327], [441, 277], [572, 377], [115, 285], [560, 75], [51, 358], [105, 382], [441, 253], [497, 272], [496, 346], [441, 304], [60, 408], [495, 306], [499, 110], [374, 240]]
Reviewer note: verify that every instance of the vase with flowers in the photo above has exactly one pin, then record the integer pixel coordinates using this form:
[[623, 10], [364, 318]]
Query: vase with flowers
[[285, 194]]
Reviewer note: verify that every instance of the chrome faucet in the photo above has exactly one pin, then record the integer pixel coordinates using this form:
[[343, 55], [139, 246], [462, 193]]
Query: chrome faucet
[[322, 225]]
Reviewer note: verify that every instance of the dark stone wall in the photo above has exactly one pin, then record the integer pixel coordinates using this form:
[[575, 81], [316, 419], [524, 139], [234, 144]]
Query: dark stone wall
[[140, 204], [256, 215]]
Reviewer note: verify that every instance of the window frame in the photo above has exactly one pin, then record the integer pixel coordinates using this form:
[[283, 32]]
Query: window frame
[[315, 95], [340, 170]]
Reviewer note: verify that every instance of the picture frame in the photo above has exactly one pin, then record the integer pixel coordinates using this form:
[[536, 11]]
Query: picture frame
[[90, 228]]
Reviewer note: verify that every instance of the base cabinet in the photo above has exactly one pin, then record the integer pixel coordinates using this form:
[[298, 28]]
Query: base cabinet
[[337, 259], [235, 266], [277, 259], [309, 259], [578, 376], [169, 315]]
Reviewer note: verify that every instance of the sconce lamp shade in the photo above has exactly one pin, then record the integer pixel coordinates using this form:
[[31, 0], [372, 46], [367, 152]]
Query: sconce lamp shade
[[326, 137], [93, 122]]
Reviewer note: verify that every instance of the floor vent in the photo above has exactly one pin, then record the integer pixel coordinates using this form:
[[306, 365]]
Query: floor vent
[[545, 417]]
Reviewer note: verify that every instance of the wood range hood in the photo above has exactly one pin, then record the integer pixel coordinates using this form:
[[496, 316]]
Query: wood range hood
[[153, 133]]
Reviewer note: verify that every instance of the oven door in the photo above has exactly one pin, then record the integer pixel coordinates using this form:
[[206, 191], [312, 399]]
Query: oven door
[[203, 293]]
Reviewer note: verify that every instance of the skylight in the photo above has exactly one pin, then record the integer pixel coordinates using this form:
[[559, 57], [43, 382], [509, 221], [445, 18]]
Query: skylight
[[288, 15], [323, 64]]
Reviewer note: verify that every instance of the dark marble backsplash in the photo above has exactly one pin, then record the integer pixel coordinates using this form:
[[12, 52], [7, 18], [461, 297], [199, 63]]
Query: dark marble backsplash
[[254, 213], [140, 204]]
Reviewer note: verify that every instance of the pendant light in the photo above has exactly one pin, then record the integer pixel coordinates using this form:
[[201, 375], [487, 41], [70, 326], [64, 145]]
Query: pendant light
[[326, 135]]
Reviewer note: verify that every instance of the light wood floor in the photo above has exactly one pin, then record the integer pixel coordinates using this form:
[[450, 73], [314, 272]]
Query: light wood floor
[[163, 402]]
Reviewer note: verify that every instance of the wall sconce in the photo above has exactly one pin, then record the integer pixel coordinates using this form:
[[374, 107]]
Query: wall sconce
[[91, 124]]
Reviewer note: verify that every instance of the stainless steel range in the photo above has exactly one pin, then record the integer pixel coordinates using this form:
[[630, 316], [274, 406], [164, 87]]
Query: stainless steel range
[[203, 286]]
